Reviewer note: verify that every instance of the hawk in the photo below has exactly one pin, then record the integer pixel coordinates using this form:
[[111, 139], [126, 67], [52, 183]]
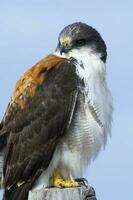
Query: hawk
[[59, 115]]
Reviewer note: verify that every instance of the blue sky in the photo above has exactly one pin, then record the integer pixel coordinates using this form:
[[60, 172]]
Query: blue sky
[[29, 31]]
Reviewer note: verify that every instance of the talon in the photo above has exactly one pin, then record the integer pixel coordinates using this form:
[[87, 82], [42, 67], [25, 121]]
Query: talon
[[60, 183], [58, 180], [70, 183], [82, 181]]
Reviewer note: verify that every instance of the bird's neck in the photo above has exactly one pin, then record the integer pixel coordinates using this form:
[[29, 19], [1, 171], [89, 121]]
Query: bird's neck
[[90, 67]]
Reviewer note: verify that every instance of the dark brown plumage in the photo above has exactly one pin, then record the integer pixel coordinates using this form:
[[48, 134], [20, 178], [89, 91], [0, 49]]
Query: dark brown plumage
[[36, 118]]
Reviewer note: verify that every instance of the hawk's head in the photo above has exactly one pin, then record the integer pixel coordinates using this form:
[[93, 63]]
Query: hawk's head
[[80, 36]]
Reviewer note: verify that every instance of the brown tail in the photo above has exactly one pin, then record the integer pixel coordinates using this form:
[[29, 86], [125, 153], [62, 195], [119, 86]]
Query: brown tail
[[21, 192], [17, 193]]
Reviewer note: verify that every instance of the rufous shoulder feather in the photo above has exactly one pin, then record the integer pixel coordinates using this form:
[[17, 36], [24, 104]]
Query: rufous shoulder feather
[[26, 86]]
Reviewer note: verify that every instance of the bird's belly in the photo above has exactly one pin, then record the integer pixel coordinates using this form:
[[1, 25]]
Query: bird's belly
[[80, 143]]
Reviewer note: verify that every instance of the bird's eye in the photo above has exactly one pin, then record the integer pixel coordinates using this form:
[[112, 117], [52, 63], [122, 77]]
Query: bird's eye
[[80, 42]]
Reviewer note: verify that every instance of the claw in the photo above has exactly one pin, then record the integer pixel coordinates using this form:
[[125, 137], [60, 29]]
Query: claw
[[82, 181], [66, 183], [60, 183]]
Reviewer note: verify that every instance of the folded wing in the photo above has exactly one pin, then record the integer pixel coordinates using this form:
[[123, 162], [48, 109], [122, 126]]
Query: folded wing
[[37, 117]]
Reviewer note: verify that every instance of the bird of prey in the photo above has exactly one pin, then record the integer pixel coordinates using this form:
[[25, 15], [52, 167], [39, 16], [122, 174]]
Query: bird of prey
[[59, 116]]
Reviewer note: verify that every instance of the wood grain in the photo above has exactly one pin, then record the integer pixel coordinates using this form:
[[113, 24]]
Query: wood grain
[[77, 193]]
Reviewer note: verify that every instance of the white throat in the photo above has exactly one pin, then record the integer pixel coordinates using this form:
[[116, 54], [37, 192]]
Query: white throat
[[89, 65]]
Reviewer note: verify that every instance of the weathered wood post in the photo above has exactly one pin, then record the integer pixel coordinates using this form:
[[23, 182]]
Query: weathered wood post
[[77, 193]]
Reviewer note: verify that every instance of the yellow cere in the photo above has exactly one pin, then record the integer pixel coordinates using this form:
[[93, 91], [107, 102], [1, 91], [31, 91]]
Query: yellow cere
[[66, 42]]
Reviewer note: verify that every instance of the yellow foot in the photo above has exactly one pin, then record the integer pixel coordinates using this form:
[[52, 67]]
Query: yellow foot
[[60, 183]]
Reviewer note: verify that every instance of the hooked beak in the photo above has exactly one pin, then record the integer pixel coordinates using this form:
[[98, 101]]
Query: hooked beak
[[64, 49], [65, 45]]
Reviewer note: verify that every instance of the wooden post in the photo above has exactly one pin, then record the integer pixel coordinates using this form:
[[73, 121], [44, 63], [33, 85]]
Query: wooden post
[[77, 193]]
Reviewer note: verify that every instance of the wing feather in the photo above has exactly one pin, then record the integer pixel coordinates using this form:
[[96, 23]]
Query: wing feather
[[36, 121]]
